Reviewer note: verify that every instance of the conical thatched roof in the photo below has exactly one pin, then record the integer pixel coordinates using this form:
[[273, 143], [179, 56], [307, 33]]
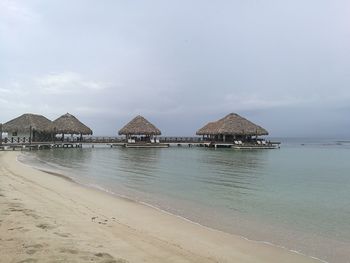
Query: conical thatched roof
[[68, 124], [139, 126], [232, 124], [26, 121]]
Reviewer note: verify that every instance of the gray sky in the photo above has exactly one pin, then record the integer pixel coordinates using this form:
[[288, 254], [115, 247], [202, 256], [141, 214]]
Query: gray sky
[[282, 64]]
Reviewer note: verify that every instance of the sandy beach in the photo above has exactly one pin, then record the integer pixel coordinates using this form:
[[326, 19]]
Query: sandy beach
[[47, 218]]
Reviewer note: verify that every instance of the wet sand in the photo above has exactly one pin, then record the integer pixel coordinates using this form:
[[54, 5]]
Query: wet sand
[[45, 218]]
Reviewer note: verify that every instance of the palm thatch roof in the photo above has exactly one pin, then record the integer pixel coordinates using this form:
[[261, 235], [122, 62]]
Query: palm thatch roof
[[232, 124], [68, 124], [26, 122], [139, 126]]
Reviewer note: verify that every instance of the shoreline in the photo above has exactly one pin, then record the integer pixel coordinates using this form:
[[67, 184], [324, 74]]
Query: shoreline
[[116, 195], [181, 217], [185, 240], [124, 197]]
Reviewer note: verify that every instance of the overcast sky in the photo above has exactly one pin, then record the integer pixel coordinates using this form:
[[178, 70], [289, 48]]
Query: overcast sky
[[283, 64]]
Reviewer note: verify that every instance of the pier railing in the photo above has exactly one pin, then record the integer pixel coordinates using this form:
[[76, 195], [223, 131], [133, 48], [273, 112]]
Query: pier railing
[[17, 140], [162, 139], [26, 140], [98, 139], [180, 139]]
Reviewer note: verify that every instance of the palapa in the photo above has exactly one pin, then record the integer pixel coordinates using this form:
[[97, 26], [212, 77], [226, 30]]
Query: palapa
[[27, 122], [232, 124], [68, 124], [139, 126]]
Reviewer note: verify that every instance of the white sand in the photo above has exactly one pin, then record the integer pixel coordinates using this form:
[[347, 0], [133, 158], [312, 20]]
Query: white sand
[[45, 218]]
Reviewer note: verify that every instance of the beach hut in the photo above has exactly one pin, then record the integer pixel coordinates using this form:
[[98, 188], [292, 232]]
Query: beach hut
[[140, 129], [68, 124], [28, 128], [230, 128]]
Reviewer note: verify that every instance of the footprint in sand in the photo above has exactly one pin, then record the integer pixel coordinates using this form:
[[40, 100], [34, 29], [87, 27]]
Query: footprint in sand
[[101, 221], [107, 258], [69, 251], [45, 226], [28, 260], [12, 209], [36, 246], [62, 234], [15, 228], [15, 205], [32, 249], [20, 229], [86, 256], [30, 213]]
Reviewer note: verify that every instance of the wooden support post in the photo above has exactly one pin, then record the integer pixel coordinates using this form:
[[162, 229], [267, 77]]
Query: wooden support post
[[0, 134], [54, 135], [30, 135]]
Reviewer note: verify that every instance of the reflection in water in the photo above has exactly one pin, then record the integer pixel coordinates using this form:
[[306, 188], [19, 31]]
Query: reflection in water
[[233, 172], [169, 174], [139, 166]]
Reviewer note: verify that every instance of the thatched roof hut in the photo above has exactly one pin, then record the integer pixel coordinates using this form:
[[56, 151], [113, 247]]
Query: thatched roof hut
[[27, 123], [139, 126], [68, 124], [232, 124]]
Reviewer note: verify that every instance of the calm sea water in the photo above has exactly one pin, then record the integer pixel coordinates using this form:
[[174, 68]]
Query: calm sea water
[[297, 197]]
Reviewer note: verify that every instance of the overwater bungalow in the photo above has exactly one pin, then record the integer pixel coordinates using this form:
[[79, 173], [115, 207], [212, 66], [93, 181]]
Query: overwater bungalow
[[232, 129], [69, 124], [140, 131], [28, 128]]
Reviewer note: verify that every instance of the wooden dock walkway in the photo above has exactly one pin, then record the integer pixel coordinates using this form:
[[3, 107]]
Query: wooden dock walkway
[[37, 146], [164, 142]]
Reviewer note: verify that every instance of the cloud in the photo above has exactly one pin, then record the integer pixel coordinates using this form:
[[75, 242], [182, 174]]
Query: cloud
[[12, 13], [52, 95], [5, 91], [67, 83], [256, 101]]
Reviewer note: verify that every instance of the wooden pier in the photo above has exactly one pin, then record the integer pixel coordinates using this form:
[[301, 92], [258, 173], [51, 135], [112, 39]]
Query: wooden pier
[[146, 145], [164, 142], [37, 146], [246, 145]]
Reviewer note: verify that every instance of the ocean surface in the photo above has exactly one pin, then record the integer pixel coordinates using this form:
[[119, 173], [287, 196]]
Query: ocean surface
[[296, 197]]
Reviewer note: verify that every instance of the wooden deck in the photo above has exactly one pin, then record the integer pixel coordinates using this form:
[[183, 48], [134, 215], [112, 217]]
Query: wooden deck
[[146, 145], [255, 147], [246, 146], [37, 146]]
